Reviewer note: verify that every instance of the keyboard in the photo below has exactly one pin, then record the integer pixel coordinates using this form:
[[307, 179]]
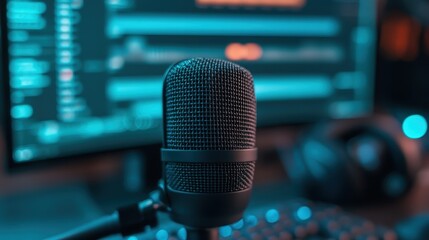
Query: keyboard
[[295, 219]]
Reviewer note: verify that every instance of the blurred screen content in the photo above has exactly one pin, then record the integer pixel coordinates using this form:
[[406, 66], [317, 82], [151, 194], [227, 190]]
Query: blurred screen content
[[85, 73]]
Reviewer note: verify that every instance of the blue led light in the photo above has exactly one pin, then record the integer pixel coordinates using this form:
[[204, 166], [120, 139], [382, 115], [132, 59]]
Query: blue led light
[[252, 220], [272, 216], [162, 235], [303, 213], [225, 231], [415, 126], [182, 234], [238, 224]]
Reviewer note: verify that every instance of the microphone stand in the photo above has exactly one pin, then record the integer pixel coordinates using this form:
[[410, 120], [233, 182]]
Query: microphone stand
[[133, 219]]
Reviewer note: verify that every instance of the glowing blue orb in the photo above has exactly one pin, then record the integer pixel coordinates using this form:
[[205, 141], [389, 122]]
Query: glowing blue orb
[[162, 235], [303, 213], [415, 126], [272, 216], [225, 231], [182, 234], [238, 224], [252, 220]]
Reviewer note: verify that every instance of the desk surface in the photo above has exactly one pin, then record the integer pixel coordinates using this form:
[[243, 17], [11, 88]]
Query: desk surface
[[41, 214], [44, 212]]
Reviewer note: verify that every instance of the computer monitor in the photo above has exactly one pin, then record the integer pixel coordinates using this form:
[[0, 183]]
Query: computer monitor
[[403, 74], [86, 76]]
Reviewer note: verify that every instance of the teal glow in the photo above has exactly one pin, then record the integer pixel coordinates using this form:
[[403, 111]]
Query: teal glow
[[93, 127], [363, 35], [269, 88], [35, 26], [223, 25], [363, 38], [18, 36], [21, 111], [162, 235], [182, 234], [17, 97], [125, 89], [349, 80], [24, 154], [252, 220], [26, 7], [24, 18], [272, 216], [132, 238], [303, 213], [415, 126], [32, 50], [64, 13], [29, 82], [225, 231], [148, 109], [49, 132], [238, 225], [28, 66], [348, 109]]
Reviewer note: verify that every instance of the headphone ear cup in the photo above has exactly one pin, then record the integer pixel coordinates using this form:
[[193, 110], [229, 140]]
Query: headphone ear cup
[[379, 156], [367, 161], [322, 171]]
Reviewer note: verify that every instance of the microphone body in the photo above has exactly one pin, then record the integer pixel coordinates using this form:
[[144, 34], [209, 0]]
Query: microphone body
[[209, 152]]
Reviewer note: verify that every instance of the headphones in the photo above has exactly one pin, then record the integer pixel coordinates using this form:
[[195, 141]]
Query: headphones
[[354, 162]]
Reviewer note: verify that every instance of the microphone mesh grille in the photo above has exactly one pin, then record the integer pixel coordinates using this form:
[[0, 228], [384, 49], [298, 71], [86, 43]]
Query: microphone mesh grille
[[209, 105], [209, 177]]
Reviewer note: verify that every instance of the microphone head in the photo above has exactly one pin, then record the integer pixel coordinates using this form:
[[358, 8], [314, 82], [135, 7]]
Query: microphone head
[[209, 105], [210, 125]]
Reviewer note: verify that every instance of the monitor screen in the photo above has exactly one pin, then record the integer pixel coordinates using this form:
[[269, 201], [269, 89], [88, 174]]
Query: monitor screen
[[404, 57], [85, 76]]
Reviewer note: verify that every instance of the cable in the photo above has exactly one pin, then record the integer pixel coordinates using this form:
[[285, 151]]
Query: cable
[[99, 228], [127, 220]]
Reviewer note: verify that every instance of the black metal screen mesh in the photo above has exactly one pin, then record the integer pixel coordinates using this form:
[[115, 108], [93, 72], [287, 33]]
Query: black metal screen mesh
[[209, 177], [209, 104]]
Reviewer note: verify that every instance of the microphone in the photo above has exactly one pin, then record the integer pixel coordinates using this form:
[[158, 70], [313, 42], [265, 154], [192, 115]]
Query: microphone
[[208, 153]]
